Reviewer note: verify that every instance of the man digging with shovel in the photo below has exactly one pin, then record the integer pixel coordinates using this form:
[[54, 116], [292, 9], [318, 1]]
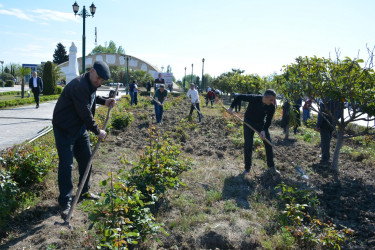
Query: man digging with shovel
[[193, 95], [259, 115], [72, 117]]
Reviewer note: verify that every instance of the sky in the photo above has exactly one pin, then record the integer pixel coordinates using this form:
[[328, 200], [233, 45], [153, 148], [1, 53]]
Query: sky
[[256, 36]]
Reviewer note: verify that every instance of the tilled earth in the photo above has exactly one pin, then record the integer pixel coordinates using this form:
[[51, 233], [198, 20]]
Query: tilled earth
[[346, 199]]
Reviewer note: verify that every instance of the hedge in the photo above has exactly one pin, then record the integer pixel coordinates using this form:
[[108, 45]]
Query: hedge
[[10, 103], [10, 92]]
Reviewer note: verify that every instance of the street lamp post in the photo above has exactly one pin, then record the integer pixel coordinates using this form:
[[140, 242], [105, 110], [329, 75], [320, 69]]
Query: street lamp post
[[2, 71], [192, 73], [184, 79], [202, 85], [126, 57], [84, 14]]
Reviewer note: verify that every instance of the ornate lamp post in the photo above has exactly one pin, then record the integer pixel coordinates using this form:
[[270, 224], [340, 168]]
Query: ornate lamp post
[[184, 80], [202, 85], [84, 14], [2, 71], [126, 57]]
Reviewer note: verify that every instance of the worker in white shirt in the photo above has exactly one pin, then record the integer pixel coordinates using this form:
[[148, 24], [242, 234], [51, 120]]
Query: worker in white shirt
[[193, 95]]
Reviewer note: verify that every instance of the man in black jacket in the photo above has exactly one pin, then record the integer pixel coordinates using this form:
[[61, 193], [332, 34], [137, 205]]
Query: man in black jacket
[[260, 108], [36, 86], [72, 117]]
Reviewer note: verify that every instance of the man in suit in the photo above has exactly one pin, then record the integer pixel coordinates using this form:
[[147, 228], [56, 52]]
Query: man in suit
[[158, 81], [36, 86]]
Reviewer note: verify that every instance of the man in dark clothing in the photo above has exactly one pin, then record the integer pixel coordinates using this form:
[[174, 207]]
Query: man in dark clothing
[[72, 117], [133, 91], [260, 107], [297, 112], [36, 86], [325, 127], [148, 86]]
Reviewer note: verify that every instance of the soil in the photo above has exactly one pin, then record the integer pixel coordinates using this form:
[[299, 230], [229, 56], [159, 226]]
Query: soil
[[346, 198]]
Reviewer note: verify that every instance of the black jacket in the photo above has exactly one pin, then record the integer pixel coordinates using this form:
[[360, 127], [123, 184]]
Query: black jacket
[[257, 114], [39, 82], [76, 108]]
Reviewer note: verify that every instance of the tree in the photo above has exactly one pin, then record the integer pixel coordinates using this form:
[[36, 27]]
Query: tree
[[49, 81], [339, 81], [22, 72], [235, 82], [60, 54], [111, 48], [189, 79]]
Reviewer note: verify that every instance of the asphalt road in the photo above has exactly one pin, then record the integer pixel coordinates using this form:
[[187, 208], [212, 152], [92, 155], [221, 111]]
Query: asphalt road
[[23, 123]]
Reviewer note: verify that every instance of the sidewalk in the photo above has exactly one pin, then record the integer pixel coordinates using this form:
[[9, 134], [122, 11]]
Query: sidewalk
[[23, 123]]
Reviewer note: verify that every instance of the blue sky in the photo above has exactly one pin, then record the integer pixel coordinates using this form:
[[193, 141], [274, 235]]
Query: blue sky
[[257, 36]]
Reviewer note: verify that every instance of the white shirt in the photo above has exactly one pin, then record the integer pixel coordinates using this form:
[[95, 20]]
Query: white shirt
[[193, 94], [135, 88], [35, 84]]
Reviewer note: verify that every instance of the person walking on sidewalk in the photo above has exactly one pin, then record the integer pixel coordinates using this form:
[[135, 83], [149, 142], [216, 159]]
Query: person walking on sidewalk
[[193, 95], [159, 99], [72, 117], [259, 115], [36, 86]]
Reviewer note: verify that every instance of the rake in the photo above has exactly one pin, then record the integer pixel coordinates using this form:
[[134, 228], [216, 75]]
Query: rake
[[299, 170], [79, 191]]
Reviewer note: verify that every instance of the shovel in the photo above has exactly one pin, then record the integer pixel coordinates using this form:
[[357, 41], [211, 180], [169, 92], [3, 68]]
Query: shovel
[[67, 219], [299, 170]]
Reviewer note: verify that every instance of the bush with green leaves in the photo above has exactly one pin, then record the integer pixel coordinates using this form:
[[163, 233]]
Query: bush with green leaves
[[49, 81], [9, 192], [123, 218], [9, 83], [24, 101], [121, 120], [299, 217]]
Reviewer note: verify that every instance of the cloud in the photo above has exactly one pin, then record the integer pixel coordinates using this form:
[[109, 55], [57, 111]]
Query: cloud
[[52, 15], [41, 14], [1, 5], [17, 13]]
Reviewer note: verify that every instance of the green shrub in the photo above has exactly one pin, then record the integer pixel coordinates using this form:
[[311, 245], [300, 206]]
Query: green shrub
[[9, 83], [121, 120], [9, 192], [59, 90], [145, 93], [49, 82], [10, 92]]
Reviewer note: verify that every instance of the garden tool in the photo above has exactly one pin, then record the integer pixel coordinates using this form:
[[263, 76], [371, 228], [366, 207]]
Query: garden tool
[[299, 170]]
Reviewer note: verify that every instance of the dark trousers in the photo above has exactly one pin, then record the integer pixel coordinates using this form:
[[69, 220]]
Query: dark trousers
[[133, 98], [158, 112], [192, 109], [36, 93], [325, 143], [248, 147], [238, 107], [67, 147], [211, 100]]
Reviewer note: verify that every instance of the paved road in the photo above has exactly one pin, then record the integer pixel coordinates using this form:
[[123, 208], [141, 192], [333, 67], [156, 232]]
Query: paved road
[[23, 123]]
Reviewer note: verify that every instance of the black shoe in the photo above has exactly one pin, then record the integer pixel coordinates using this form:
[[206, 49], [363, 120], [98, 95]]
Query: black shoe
[[64, 210], [37, 106], [89, 196], [246, 171], [274, 171]]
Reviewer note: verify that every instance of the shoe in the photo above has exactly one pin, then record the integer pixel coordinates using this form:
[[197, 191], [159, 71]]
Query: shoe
[[246, 171], [64, 211], [37, 106], [89, 196], [274, 171]]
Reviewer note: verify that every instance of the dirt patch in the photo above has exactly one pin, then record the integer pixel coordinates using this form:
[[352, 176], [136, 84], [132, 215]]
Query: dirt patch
[[347, 198]]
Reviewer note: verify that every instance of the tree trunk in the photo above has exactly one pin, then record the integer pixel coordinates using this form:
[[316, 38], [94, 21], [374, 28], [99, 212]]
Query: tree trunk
[[23, 87], [335, 160], [286, 132]]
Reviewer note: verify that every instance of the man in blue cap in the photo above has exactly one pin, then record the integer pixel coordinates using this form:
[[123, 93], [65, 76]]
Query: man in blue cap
[[73, 116]]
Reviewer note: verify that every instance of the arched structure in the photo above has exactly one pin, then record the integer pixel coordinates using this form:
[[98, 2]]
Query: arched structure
[[113, 59]]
